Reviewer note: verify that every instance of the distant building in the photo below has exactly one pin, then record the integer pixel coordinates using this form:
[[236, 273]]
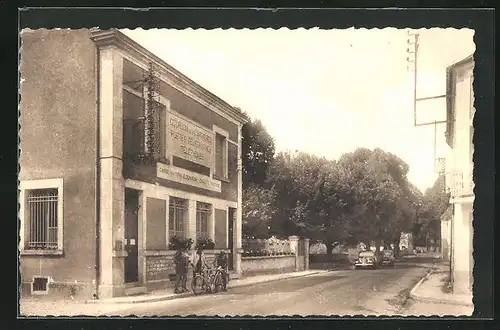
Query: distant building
[[459, 133], [406, 242], [109, 173]]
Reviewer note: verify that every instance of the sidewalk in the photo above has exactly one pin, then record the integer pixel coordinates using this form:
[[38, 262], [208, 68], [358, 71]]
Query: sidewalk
[[429, 290], [37, 307]]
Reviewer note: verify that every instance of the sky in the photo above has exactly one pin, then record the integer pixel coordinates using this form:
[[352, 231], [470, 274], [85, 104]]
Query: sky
[[325, 92]]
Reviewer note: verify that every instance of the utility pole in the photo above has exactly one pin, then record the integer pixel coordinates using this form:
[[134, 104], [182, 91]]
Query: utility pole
[[412, 58]]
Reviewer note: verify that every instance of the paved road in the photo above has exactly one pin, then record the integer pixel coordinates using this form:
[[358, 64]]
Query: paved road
[[348, 292]]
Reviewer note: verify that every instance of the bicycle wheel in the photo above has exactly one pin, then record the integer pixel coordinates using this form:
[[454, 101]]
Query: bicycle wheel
[[226, 274], [199, 284], [217, 283]]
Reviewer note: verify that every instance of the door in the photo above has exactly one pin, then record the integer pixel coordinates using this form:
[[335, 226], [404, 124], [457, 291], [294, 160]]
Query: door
[[131, 235], [230, 230]]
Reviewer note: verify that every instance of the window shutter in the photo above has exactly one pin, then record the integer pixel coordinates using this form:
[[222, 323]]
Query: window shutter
[[450, 101], [219, 154]]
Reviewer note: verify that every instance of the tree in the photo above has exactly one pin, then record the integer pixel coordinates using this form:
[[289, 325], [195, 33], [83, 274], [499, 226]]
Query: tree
[[363, 197], [257, 152], [379, 194], [427, 225], [306, 201], [258, 211]]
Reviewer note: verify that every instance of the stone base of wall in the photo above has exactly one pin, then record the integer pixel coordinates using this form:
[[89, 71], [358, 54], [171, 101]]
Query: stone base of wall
[[76, 291]]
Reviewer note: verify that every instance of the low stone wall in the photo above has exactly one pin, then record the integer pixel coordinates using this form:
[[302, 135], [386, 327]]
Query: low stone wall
[[159, 264], [336, 257], [267, 265]]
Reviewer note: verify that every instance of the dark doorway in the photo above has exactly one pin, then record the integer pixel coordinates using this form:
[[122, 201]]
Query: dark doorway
[[131, 235], [230, 230]]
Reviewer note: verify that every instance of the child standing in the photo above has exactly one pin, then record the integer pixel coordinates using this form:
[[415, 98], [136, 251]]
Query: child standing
[[198, 260], [185, 263], [181, 260], [221, 260]]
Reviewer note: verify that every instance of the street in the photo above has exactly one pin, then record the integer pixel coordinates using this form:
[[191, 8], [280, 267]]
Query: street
[[347, 292]]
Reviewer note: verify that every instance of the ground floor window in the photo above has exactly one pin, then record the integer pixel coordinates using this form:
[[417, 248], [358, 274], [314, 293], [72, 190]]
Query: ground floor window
[[41, 215], [41, 219], [178, 210], [203, 215]]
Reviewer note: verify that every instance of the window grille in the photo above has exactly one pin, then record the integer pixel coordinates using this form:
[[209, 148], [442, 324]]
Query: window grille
[[42, 219], [40, 285], [203, 213], [177, 215]]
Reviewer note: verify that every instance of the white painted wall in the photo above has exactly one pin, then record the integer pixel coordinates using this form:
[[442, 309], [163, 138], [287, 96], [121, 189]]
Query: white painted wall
[[460, 160]]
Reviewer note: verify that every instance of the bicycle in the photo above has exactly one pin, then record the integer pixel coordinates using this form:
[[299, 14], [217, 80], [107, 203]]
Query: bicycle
[[208, 281], [216, 276]]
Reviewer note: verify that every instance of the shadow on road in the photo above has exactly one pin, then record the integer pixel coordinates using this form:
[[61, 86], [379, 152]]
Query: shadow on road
[[410, 265], [285, 285]]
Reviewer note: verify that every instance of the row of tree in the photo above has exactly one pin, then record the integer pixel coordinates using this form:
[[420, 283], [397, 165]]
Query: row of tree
[[364, 196]]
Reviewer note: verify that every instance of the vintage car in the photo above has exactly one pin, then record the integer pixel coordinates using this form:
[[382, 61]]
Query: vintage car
[[388, 258], [367, 259]]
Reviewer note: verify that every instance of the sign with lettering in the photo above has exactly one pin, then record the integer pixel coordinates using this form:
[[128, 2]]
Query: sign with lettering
[[189, 141], [186, 177]]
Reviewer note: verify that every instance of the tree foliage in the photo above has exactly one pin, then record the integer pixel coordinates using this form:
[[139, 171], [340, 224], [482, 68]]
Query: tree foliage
[[364, 196], [258, 211], [257, 152], [434, 204]]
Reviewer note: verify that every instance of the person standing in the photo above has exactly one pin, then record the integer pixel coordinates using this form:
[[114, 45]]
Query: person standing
[[198, 260], [180, 269], [185, 269], [221, 260]]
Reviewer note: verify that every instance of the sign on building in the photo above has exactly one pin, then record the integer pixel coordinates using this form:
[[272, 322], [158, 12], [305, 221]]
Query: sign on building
[[186, 177], [189, 141]]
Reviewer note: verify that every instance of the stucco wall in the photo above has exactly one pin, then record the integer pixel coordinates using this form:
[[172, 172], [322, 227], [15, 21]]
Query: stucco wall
[[221, 229], [156, 225], [57, 136], [267, 265]]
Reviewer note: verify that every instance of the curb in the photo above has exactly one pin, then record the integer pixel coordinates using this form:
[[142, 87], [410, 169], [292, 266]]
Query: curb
[[191, 294], [415, 296]]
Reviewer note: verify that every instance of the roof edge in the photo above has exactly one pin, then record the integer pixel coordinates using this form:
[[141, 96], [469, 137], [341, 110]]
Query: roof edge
[[114, 37], [466, 60]]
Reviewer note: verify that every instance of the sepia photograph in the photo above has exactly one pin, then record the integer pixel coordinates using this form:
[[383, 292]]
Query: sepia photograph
[[246, 172]]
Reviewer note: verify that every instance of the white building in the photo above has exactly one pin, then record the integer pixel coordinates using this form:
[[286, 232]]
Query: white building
[[446, 234], [459, 133]]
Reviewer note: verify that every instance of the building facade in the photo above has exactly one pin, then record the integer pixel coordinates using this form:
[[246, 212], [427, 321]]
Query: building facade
[[459, 135], [446, 234], [120, 152]]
